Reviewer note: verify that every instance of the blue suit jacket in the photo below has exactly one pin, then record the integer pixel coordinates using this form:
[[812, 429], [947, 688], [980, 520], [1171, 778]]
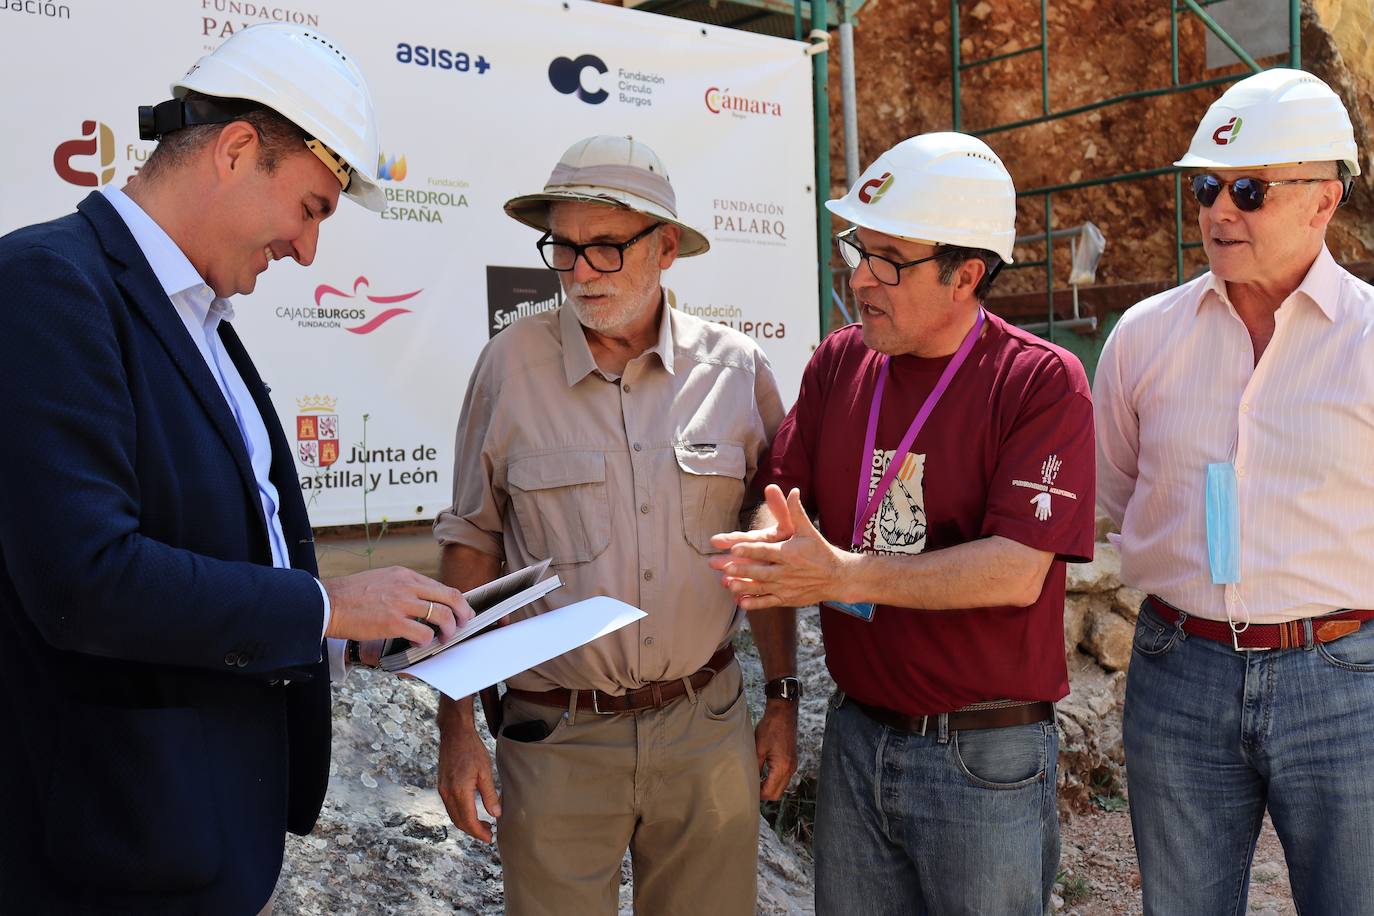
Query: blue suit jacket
[[155, 758]]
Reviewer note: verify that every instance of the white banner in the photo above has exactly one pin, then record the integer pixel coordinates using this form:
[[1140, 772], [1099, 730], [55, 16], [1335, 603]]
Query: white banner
[[368, 351]]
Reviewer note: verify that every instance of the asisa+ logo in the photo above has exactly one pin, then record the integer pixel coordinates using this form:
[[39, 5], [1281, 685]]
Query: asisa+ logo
[[872, 190], [1227, 132], [96, 140], [441, 58]]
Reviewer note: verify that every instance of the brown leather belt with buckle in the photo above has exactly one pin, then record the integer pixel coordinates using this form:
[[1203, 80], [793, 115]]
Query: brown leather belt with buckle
[[651, 696], [963, 720], [1258, 637]]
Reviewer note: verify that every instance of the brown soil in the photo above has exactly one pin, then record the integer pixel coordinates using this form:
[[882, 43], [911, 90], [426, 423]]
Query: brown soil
[[1100, 876]]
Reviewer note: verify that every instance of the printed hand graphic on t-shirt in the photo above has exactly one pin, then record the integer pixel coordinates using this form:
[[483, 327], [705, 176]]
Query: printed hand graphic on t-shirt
[[1041, 501], [898, 529]]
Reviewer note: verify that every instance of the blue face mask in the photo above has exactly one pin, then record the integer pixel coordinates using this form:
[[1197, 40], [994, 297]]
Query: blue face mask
[[1223, 523]]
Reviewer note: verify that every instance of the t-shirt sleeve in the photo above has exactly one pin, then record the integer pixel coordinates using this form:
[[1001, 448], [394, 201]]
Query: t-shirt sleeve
[[790, 457], [1042, 491]]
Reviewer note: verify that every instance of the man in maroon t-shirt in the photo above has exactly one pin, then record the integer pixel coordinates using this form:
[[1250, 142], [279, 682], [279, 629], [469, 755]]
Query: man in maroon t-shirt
[[953, 453]]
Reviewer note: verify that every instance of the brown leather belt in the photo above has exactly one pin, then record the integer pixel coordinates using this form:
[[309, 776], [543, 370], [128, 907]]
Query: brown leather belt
[[651, 696], [1261, 636], [964, 719]]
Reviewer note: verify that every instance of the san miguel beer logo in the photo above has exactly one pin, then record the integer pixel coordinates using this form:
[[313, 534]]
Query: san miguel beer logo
[[317, 431]]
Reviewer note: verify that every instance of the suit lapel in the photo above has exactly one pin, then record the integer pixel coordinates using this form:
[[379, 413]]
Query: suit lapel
[[147, 297], [291, 506]]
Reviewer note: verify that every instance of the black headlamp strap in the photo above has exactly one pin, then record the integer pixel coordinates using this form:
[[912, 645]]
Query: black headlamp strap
[[156, 121]]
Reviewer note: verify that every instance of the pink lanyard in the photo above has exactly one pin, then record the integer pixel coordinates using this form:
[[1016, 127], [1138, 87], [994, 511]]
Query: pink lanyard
[[865, 506]]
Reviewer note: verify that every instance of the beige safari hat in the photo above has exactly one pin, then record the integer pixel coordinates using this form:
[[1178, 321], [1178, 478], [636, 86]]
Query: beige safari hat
[[617, 171]]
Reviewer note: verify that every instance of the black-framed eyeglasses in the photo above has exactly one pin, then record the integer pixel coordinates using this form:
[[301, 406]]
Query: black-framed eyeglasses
[[1246, 193], [885, 270], [602, 257]]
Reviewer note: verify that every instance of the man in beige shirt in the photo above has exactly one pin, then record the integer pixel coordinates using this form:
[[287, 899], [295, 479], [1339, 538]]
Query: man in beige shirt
[[614, 436]]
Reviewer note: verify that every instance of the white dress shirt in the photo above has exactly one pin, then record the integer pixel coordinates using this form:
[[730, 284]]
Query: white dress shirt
[[1177, 388], [201, 312]]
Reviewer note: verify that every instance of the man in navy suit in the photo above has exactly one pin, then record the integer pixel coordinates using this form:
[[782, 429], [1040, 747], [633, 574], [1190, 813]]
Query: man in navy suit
[[163, 677]]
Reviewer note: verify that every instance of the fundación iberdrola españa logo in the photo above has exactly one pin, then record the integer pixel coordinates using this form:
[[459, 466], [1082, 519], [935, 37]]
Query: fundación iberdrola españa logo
[[317, 430], [871, 191], [96, 140], [1227, 132], [393, 169]]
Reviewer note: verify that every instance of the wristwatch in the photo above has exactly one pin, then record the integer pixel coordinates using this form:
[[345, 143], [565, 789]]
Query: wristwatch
[[784, 688]]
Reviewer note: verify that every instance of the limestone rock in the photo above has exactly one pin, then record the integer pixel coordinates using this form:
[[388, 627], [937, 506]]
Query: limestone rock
[[1103, 574], [1126, 602], [384, 843], [1075, 620], [1109, 639]]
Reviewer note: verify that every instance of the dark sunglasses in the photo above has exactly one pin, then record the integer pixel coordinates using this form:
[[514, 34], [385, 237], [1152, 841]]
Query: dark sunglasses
[[1246, 193]]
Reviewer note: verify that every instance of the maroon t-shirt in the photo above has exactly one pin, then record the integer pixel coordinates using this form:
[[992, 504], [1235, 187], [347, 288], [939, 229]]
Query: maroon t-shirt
[[1008, 451]]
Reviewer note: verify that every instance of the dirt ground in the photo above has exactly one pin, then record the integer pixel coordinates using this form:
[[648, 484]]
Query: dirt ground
[[1100, 877]]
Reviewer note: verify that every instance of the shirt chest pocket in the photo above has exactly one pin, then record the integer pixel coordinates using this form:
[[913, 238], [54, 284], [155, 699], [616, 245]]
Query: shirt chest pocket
[[561, 505], [712, 490]]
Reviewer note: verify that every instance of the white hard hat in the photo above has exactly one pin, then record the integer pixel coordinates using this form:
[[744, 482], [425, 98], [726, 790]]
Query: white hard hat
[[947, 188], [1276, 117], [617, 171], [309, 80]]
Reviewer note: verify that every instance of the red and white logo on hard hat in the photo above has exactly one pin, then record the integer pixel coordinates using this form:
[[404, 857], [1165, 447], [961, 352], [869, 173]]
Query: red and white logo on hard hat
[[1227, 132], [873, 189]]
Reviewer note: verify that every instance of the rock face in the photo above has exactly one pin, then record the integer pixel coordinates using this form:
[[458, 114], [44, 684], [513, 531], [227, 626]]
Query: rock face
[[384, 843], [1097, 50]]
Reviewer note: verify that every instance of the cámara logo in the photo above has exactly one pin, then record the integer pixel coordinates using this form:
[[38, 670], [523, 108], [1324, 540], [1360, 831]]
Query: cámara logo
[[721, 100], [1227, 132], [871, 191], [96, 140], [565, 75], [393, 169]]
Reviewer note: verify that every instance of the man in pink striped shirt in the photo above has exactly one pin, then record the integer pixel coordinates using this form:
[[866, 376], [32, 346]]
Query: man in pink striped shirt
[[1236, 423]]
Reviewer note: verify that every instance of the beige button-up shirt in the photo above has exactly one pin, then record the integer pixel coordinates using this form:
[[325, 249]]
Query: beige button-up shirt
[[619, 481], [1177, 388]]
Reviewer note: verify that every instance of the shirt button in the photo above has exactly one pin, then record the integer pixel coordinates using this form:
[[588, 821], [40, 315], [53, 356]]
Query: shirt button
[[1240, 472], [625, 388], [644, 508], [648, 640], [1245, 408], [648, 575], [638, 447]]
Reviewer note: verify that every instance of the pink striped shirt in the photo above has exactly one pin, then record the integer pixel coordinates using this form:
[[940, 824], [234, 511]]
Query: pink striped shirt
[[1177, 388]]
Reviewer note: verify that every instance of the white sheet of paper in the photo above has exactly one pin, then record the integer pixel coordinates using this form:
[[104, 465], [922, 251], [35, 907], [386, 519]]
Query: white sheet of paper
[[497, 654]]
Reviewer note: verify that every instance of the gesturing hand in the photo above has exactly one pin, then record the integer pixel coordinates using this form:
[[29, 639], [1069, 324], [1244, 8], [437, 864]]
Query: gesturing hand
[[780, 530], [795, 570]]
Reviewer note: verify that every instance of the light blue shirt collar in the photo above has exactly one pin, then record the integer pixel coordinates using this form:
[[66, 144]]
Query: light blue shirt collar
[[170, 264]]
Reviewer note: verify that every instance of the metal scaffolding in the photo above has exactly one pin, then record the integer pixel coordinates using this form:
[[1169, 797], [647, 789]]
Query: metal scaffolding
[[958, 66]]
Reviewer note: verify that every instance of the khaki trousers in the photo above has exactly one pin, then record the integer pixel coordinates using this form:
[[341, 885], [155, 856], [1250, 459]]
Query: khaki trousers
[[679, 786]]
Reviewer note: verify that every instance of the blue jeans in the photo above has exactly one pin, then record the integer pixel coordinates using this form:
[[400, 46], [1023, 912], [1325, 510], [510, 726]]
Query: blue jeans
[[1213, 735], [945, 823]]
